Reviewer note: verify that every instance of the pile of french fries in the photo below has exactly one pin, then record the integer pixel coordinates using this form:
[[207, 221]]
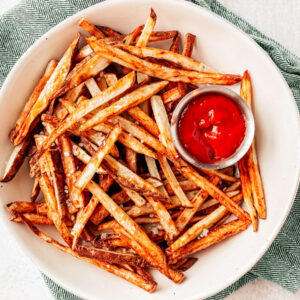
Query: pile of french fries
[[96, 130]]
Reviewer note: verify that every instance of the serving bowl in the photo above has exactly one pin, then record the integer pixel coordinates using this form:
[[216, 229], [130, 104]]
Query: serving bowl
[[226, 49]]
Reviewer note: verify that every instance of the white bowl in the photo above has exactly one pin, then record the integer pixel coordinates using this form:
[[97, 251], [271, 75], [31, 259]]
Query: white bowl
[[225, 48]]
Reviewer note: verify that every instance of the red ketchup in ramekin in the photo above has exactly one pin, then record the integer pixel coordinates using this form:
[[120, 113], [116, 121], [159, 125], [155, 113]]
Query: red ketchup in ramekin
[[211, 127]]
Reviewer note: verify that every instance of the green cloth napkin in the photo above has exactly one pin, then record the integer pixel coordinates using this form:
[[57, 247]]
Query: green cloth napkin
[[21, 26]]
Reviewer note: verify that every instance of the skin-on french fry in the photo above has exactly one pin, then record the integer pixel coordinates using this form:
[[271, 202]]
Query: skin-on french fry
[[221, 175], [253, 167], [188, 213], [110, 256], [67, 157], [126, 178], [131, 159], [35, 190], [32, 217], [90, 28], [172, 95], [246, 190], [86, 107], [197, 228], [91, 168], [213, 191], [130, 100], [46, 96], [109, 31], [214, 236], [173, 182], [175, 44], [33, 98], [121, 272], [128, 224], [147, 30], [16, 160], [49, 196], [142, 118], [185, 185], [21, 207], [183, 61], [152, 69]]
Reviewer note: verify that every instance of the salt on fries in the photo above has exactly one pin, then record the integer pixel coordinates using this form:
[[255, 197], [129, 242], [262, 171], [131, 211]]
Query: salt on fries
[[96, 127]]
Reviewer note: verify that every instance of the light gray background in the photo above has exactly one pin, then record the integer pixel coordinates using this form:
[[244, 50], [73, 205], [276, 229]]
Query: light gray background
[[280, 19]]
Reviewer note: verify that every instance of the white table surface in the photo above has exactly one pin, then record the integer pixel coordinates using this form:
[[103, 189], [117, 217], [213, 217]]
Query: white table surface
[[19, 278]]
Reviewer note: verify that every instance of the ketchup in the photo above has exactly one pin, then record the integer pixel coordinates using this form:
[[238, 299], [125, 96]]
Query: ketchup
[[211, 127]]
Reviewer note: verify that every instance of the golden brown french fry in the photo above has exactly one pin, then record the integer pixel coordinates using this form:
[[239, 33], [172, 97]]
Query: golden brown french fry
[[188, 45], [46, 96], [246, 190], [67, 158], [162, 121], [197, 228], [111, 256], [16, 160], [186, 185], [21, 207], [121, 272], [129, 39], [135, 197], [91, 168], [253, 166], [172, 95], [214, 236], [131, 159], [188, 213], [49, 196], [33, 98], [147, 30], [93, 87], [183, 61], [225, 177], [110, 244], [213, 191], [156, 70], [90, 28], [35, 190], [128, 179], [110, 78], [175, 44], [142, 118], [109, 31], [130, 100], [33, 217], [173, 182], [86, 107]]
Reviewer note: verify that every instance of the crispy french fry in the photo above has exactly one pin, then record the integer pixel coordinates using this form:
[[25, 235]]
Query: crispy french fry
[[90, 28], [46, 96], [16, 160], [147, 30], [121, 272], [221, 175], [130, 100], [131, 159], [213, 191], [67, 157], [197, 228], [152, 69], [110, 78], [33, 98], [188, 213], [142, 118], [172, 95], [91, 168], [183, 61], [175, 44], [129, 39], [246, 190], [188, 45], [253, 167], [32, 217], [35, 190], [86, 107], [109, 31]]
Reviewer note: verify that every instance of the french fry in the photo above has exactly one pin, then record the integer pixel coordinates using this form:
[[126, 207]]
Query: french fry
[[131, 159], [46, 96], [135, 197], [48, 192], [197, 228], [253, 167], [67, 157], [110, 78], [183, 61], [109, 31], [16, 160], [129, 39], [175, 44], [188, 213], [35, 190], [147, 30], [188, 45], [152, 69], [93, 87], [121, 272], [214, 236], [86, 107], [173, 182], [213, 191], [142, 118], [225, 177], [246, 190], [110, 256], [33, 217], [90, 28], [21, 207], [33, 98], [130, 100], [172, 95], [91, 168]]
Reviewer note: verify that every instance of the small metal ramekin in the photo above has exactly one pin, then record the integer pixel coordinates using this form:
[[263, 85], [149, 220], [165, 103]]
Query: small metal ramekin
[[249, 124]]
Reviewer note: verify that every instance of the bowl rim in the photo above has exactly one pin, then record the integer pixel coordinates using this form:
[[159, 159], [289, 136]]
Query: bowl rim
[[248, 118], [291, 195]]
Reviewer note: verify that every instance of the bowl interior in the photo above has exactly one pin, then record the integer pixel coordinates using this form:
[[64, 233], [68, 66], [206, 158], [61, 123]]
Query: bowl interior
[[226, 49]]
